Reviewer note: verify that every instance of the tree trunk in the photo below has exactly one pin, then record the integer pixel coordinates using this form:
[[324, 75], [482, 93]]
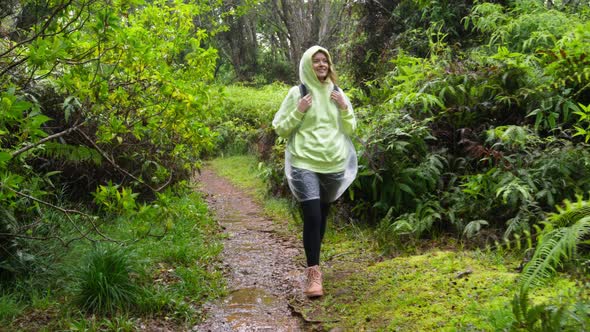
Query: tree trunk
[[242, 43], [307, 23]]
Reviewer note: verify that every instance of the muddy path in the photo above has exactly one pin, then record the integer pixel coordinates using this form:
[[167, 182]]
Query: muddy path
[[259, 265]]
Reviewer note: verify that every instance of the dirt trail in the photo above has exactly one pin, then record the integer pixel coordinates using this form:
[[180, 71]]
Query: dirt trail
[[259, 265]]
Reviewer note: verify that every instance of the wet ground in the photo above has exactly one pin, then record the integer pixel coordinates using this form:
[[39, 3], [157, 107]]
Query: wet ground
[[259, 265]]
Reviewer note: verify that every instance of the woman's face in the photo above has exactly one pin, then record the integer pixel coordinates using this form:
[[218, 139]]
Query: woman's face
[[321, 66]]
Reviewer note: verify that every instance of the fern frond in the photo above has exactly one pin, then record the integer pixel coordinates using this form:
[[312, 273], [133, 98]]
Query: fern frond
[[547, 254], [516, 225], [570, 214], [554, 248], [71, 153]]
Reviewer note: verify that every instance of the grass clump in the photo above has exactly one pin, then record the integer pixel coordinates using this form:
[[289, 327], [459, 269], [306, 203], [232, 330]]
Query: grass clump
[[105, 284], [10, 307]]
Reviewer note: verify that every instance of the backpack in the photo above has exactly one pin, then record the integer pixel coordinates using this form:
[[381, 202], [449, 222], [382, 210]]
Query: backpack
[[303, 89]]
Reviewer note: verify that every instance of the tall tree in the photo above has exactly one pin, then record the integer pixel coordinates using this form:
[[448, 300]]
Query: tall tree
[[239, 42]]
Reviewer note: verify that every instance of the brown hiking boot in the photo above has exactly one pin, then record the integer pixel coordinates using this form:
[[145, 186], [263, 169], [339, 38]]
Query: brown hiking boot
[[313, 284]]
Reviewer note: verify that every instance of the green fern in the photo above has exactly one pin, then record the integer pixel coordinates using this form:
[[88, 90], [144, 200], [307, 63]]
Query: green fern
[[521, 223], [558, 242], [473, 227], [570, 214], [71, 153], [545, 317], [515, 192], [420, 221], [512, 136], [486, 17]]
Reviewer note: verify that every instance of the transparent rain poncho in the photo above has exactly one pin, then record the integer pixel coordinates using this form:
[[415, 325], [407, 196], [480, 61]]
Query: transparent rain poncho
[[304, 186], [329, 182]]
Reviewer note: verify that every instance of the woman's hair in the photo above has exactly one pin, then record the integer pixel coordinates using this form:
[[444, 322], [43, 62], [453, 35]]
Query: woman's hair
[[331, 72]]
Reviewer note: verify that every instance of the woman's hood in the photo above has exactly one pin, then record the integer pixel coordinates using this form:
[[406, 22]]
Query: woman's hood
[[306, 73]]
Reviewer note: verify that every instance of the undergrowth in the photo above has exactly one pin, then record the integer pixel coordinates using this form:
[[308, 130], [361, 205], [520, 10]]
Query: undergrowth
[[160, 267]]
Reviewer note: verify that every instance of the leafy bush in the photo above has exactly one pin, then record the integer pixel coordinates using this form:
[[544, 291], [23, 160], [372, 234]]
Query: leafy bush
[[245, 123], [94, 93], [542, 56], [396, 167], [486, 129]]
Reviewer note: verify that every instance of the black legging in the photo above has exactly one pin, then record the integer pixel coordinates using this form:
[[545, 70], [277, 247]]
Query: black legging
[[315, 215]]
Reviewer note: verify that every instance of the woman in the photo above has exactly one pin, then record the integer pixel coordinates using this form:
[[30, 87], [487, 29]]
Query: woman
[[320, 160]]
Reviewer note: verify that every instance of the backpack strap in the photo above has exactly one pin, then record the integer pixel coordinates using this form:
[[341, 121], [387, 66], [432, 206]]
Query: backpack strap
[[303, 89]]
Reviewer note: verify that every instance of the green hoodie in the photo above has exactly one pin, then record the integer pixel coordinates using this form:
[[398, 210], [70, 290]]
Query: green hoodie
[[318, 139]]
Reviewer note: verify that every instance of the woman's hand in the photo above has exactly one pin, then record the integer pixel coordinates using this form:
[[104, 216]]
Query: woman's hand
[[338, 97], [304, 103]]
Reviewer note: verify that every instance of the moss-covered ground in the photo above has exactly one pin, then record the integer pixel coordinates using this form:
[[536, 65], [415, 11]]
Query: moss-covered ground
[[442, 288]]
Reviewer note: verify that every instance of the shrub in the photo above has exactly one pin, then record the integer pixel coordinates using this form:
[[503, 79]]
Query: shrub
[[244, 125]]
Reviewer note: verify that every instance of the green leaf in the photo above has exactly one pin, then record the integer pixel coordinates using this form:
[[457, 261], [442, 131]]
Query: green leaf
[[20, 106], [406, 188], [4, 157]]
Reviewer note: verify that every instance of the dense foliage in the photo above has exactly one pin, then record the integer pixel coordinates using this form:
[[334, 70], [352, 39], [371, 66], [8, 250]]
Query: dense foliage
[[484, 141], [487, 136], [484, 134], [98, 98], [102, 122]]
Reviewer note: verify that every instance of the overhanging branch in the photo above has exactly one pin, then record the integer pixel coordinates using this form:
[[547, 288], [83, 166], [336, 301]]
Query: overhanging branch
[[119, 168], [48, 138], [67, 213]]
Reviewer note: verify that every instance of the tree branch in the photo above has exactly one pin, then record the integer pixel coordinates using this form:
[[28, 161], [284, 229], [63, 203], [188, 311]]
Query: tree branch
[[48, 138], [12, 65], [44, 238], [67, 213], [43, 28], [119, 168]]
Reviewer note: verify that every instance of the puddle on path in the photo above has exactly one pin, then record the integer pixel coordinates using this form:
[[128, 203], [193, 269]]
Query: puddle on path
[[259, 266]]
